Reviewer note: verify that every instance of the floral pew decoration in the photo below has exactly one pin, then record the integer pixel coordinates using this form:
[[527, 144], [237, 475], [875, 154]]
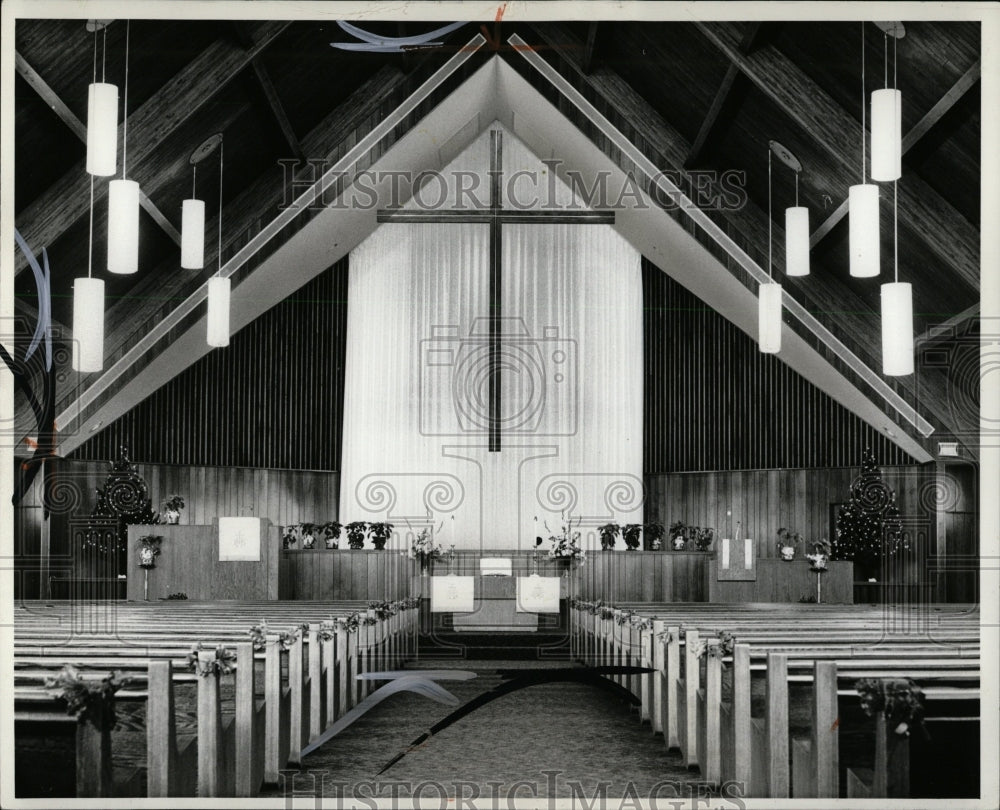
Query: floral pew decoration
[[901, 700], [87, 699], [223, 663]]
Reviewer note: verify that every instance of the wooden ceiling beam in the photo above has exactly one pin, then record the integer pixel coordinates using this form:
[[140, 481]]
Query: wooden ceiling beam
[[944, 231], [157, 291], [587, 60], [832, 303], [721, 96], [921, 128], [56, 104], [270, 93], [63, 203]]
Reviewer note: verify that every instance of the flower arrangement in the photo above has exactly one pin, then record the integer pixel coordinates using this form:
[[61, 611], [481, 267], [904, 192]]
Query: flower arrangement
[[820, 556], [87, 699], [356, 534], [788, 542], [180, 595], [223, 663], [149, 550], [899, 699], [424, 549], [608, 533], [566, 544]]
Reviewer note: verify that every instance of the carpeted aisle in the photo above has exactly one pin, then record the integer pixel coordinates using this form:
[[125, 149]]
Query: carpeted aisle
[[582, 736]]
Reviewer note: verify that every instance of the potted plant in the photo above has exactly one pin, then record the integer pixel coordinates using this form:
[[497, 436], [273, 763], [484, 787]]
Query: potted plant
[[788, 542], [356, 534], [678, 535], [288, 536], [331, 531], [172, 508], [608, 533], [380, 534], [630, 534], [702, 537], [654, 535], [308, 538]]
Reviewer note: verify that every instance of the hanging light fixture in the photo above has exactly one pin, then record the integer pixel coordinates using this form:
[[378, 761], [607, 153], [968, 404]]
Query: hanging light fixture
[[88, 311], [102, 114], [123, 204], [862, 204], [769, 294], [219, 288], [887, 115], [797, 236], [193, 228], [897, 314]]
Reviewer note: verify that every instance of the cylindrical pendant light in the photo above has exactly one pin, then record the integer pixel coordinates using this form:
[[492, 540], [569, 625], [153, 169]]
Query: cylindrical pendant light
[[887, 134], [218, 311], [102, 129], [123, 204], [88, 324], [123, 226], [769, 317], [897, 312], [192, 234], [887, 117], [797, 241], [769, 294], [862, 203], [897, 329], [219, 288], [864, 230]]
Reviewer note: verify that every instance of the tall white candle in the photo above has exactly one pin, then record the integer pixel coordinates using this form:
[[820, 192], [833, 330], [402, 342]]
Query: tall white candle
[[725, 553], [748, 553]]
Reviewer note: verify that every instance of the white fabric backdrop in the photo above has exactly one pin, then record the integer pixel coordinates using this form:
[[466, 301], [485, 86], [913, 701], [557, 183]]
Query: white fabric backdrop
[[415, 444]]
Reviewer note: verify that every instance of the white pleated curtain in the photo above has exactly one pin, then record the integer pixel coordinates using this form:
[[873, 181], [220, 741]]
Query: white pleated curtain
[[415, 447]]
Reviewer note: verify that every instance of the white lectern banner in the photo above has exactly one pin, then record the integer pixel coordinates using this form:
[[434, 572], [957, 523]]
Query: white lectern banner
[[453, 594], [239, 539], [537, 594]]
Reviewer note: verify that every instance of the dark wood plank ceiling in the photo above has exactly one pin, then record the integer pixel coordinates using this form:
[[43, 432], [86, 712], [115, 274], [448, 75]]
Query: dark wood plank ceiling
[[723, 87]]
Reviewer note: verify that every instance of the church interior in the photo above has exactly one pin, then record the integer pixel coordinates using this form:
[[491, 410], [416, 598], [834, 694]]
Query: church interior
[[498, 410]]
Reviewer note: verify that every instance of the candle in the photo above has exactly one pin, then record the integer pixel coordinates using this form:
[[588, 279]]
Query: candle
[[725, 553], [748, 553]]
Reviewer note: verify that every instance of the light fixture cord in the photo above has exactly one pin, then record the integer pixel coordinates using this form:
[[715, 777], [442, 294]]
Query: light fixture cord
[[796, 189], [864, 105], [770, 221], [895, 229], [219, 251], [194, 181], [128, 24], [885, 57], [90, 249], [95, 57], [104, 53]]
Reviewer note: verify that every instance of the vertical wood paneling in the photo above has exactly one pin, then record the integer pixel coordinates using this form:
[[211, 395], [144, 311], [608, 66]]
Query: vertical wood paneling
[[799, 499], [714, 402], [272, 398]]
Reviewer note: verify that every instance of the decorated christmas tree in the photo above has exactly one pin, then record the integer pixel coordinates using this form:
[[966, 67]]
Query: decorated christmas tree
[[124, 499], [868, 527]]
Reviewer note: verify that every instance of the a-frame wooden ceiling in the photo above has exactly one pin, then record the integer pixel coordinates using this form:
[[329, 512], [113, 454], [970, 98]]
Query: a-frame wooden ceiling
[[690, 96]]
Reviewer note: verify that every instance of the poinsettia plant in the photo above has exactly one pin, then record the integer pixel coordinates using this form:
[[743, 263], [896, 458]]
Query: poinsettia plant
[[356, 533]]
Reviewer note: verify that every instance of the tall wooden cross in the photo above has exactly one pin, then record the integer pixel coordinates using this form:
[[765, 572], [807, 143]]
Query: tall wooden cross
[[496, 216]]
